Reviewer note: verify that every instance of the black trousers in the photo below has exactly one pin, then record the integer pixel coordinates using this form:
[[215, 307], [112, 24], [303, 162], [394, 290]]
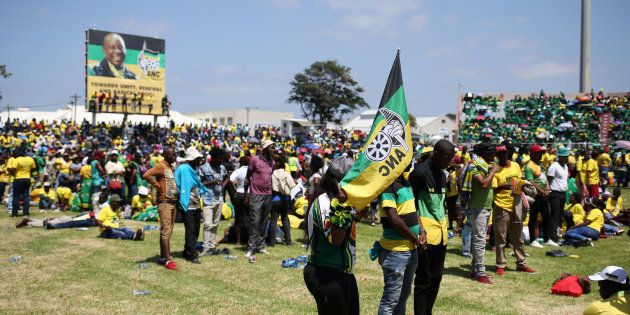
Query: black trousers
[[280, 208], [556, 207], [428, 278], [335, 292], [541, 205], [240, 209], [21, 189], [192, 223]]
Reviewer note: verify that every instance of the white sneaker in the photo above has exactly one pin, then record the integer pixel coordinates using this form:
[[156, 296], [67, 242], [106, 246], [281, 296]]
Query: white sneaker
[[536, 244], [263, 251], [552, 243], [249, 254]]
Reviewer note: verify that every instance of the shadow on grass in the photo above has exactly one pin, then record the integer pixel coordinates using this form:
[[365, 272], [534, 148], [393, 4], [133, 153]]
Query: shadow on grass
[[463, 271]]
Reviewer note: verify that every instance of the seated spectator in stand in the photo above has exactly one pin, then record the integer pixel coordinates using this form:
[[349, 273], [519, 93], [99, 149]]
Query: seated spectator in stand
[[108, 221], [614, 288], [140, 202], [588, 230]]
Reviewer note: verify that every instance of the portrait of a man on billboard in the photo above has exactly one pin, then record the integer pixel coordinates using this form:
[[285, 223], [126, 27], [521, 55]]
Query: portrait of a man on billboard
[[113, 65]]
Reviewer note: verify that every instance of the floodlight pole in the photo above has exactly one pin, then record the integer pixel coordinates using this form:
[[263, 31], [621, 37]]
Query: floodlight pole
[[585, 48]]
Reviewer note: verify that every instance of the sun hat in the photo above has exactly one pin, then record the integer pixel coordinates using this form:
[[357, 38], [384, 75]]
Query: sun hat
[[340, 166], [192, 154], [611, 273], [143, 191], [266, 143]]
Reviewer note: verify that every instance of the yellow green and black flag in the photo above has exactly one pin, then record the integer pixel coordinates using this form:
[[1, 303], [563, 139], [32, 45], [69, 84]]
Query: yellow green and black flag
[[388, 149]]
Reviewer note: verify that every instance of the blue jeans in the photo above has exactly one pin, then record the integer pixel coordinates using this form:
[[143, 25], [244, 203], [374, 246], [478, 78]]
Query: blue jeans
[[479, 222], [72, 224], [398, 271], [581, 233], [467, 233], [610, 229], [119, 233]]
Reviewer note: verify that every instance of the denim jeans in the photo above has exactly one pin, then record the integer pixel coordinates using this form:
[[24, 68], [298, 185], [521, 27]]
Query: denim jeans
[[467, 233], [399, 269], [211, 218], [581, 233], [21, 189], [75, 224], [479, 224], [119, 233]]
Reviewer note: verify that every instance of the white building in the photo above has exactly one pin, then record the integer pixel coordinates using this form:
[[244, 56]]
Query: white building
[[442, 127], [243, 116], [362, 121]]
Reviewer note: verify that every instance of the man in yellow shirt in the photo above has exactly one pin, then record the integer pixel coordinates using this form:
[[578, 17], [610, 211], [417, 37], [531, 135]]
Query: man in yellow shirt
[[505, 183], [140, 202], [108, 219], [614, 288], [48, 197], [21, 168], [592, 175]]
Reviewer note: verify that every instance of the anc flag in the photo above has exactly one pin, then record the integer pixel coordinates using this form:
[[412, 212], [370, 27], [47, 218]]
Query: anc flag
[[388, 149]]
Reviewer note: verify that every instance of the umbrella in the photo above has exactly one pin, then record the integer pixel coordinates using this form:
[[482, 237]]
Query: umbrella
[[624, 144], [480, 117], [312, 146]]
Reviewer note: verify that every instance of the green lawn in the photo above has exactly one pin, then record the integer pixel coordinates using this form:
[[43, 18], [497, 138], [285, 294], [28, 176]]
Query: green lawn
[[72, 271]]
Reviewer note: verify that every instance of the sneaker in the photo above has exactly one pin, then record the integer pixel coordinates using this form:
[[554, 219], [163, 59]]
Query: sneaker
[[195, 260], [170, 265], [500, 271], [139, 236], [536, 244], [263, 251], [252, 259], [249, 254], [483, 279], [22, 223], [619, 232], [552, 243], [373, 224], [525, 269]]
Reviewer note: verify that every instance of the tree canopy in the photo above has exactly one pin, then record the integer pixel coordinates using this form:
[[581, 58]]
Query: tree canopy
[[326, 91]]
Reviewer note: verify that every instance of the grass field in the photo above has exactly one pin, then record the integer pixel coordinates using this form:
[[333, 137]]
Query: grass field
[[72, 271]]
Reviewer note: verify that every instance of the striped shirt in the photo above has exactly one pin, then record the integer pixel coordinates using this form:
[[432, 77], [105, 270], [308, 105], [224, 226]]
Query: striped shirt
[[429, 188], [400, 197]]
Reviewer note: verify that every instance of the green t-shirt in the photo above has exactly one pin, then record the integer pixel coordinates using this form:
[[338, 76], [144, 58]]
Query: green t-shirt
[[536, 173], [480, 197]]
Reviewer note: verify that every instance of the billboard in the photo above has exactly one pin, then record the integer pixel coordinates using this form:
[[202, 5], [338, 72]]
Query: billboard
[[125, 73]]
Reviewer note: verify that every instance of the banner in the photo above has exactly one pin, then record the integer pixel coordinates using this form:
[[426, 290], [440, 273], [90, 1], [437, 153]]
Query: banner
[[125, 73], [388, 150]]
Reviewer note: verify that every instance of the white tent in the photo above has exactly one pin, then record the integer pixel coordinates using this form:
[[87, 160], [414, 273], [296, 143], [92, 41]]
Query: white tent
[[69, 114]]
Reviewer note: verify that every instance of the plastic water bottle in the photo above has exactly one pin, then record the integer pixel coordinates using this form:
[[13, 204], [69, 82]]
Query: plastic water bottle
[[141, 292], [302, 258], [143, 265], [150, 227], [229, 257], [15, 259], [82, 229]]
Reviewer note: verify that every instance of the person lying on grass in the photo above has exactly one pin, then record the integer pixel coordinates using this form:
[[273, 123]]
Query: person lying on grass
[[107, 220]]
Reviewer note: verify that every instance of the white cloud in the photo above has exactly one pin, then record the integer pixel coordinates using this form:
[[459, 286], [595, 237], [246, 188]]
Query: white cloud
[[285, 4], [488, 23], [440, 51], [224, 70], [543, 70], [511, 44], [417, 23], [383, 8]]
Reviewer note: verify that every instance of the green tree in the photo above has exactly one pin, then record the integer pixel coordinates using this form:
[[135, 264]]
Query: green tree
[[5, 74], [412, 120], [326, 92]]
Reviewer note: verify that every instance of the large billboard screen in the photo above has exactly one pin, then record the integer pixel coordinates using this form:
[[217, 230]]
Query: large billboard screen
[[125, 73]]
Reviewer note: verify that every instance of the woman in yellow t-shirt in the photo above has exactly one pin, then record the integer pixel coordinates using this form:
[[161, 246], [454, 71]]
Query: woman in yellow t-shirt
[[588, 230], [573, 212], [614, 205]]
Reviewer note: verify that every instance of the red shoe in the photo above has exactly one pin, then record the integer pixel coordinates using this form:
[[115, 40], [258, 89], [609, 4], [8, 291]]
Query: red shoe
[[603, 235], [170, 265], [500, 272], [525, 269], [483, 279]]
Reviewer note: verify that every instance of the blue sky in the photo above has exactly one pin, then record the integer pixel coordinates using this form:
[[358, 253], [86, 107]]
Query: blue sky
[[223, 54]]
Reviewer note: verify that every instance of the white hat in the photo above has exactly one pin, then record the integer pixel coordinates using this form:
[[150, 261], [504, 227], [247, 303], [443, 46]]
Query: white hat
[[611, 273], [112, 152], [192, 154], [143, 191], [266, 143]]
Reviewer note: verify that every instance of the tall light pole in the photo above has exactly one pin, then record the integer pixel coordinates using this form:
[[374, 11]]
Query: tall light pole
[[585, 48]]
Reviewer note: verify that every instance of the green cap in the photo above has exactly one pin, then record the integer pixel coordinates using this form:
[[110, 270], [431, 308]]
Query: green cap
[[563, 152]]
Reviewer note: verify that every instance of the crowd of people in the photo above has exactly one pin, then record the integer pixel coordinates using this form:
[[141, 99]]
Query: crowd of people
[[543, 118], [493, 195]]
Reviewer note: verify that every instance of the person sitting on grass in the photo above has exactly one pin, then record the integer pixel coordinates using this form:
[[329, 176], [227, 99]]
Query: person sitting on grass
[[140, 202], [573, 212], [614, 205], [107, 220], [614, 288], [588, 230], [64, 197]]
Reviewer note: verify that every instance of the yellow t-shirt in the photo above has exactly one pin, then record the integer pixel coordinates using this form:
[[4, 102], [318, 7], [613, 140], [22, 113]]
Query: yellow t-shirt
[[571, 160], [64, 193], [604, 159], [86, 172], [597, 219], [578, 212], [592, 172], [23, 166], [618, 303], [4, 174], [508, 175], [108, 217], [35, 194], [63, 166], [547, 159], [615, 208], [140, 204], [581, 168], [11, 164]]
